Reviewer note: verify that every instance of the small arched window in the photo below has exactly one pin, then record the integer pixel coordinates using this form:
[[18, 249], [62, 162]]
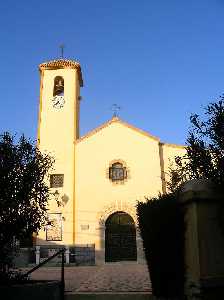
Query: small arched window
[[58, 86], [117, 172]]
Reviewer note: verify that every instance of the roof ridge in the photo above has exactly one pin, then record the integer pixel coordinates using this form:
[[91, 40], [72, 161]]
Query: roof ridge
[[118, 120]]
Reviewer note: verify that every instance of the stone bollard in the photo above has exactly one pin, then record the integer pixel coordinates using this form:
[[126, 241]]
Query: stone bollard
[[37, 255], [67, 252]]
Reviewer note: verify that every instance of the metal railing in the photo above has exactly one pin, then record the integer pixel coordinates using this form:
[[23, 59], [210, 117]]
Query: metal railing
[[62, 286]]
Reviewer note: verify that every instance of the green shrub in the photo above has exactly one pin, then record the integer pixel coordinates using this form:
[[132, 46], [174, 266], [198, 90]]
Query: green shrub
[[161, 222]]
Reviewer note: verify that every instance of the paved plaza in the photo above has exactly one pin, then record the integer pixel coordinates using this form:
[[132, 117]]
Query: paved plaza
[[109, 278]]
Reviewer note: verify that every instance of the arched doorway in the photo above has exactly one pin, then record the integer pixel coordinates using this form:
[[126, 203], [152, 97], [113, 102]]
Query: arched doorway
[[120, 238]]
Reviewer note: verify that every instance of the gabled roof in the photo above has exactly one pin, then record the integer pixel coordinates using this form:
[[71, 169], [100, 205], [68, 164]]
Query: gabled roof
[[62, 64], [119, 121]]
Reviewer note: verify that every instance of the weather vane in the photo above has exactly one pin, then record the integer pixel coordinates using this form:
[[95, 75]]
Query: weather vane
[[62, 46], [115, 109]]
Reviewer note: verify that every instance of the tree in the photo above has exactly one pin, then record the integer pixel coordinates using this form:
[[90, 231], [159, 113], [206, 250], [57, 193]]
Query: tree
[[204, 158], [23, 192]]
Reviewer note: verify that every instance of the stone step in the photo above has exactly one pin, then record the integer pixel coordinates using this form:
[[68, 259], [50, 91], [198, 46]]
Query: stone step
[[109, 296]]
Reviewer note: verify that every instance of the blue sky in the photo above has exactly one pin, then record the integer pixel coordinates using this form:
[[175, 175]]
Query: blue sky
[[159, 60]]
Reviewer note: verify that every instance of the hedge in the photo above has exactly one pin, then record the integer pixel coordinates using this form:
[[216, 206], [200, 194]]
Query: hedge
[[162, 227]]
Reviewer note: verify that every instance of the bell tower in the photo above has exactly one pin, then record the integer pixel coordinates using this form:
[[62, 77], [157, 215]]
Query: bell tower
[[58, 129]]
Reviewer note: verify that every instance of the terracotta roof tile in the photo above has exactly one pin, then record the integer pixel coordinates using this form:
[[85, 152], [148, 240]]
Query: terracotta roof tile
[[62, 64]]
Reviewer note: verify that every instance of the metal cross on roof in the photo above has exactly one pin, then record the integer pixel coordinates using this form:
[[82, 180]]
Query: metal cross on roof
[[62, 47], [115, 109]]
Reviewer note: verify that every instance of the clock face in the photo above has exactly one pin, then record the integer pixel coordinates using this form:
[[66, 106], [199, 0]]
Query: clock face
[[58, 101]]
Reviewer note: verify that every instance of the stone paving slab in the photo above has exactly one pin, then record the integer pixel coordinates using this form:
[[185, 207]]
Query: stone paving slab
[[110, 278]]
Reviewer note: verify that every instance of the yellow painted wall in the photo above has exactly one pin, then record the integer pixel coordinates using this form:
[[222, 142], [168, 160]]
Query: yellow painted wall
[[169, 153]]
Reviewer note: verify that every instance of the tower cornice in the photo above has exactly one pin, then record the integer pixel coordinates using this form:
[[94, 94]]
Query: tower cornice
[[62, 64]]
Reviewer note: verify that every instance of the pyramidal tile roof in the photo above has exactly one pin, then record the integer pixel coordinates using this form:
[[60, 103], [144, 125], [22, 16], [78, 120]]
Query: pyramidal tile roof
[[62, 64]]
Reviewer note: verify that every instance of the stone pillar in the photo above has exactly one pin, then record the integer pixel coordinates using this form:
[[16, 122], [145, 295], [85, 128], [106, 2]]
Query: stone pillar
[[204, 241], [37, 255]]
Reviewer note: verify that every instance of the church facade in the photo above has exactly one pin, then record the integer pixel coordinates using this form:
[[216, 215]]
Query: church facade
[[98, 178]]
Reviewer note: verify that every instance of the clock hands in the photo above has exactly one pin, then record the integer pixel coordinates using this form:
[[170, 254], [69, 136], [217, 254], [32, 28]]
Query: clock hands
[[58, 101]]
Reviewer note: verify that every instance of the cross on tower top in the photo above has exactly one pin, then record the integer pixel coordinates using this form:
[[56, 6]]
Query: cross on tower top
[[115, 108], [62, 47]]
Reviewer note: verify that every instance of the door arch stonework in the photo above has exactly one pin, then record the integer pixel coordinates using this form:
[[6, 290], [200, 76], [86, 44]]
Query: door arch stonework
[[114, 207]]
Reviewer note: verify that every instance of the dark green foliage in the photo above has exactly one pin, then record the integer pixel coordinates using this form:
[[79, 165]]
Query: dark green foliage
[[204, 158], [205, 149], [161, 222], [23, 193], [12, 277]]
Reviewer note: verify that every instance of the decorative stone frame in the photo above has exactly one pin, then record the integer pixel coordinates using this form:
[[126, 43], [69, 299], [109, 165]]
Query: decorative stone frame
[[114, 207], [102, 216], [124, 164]]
